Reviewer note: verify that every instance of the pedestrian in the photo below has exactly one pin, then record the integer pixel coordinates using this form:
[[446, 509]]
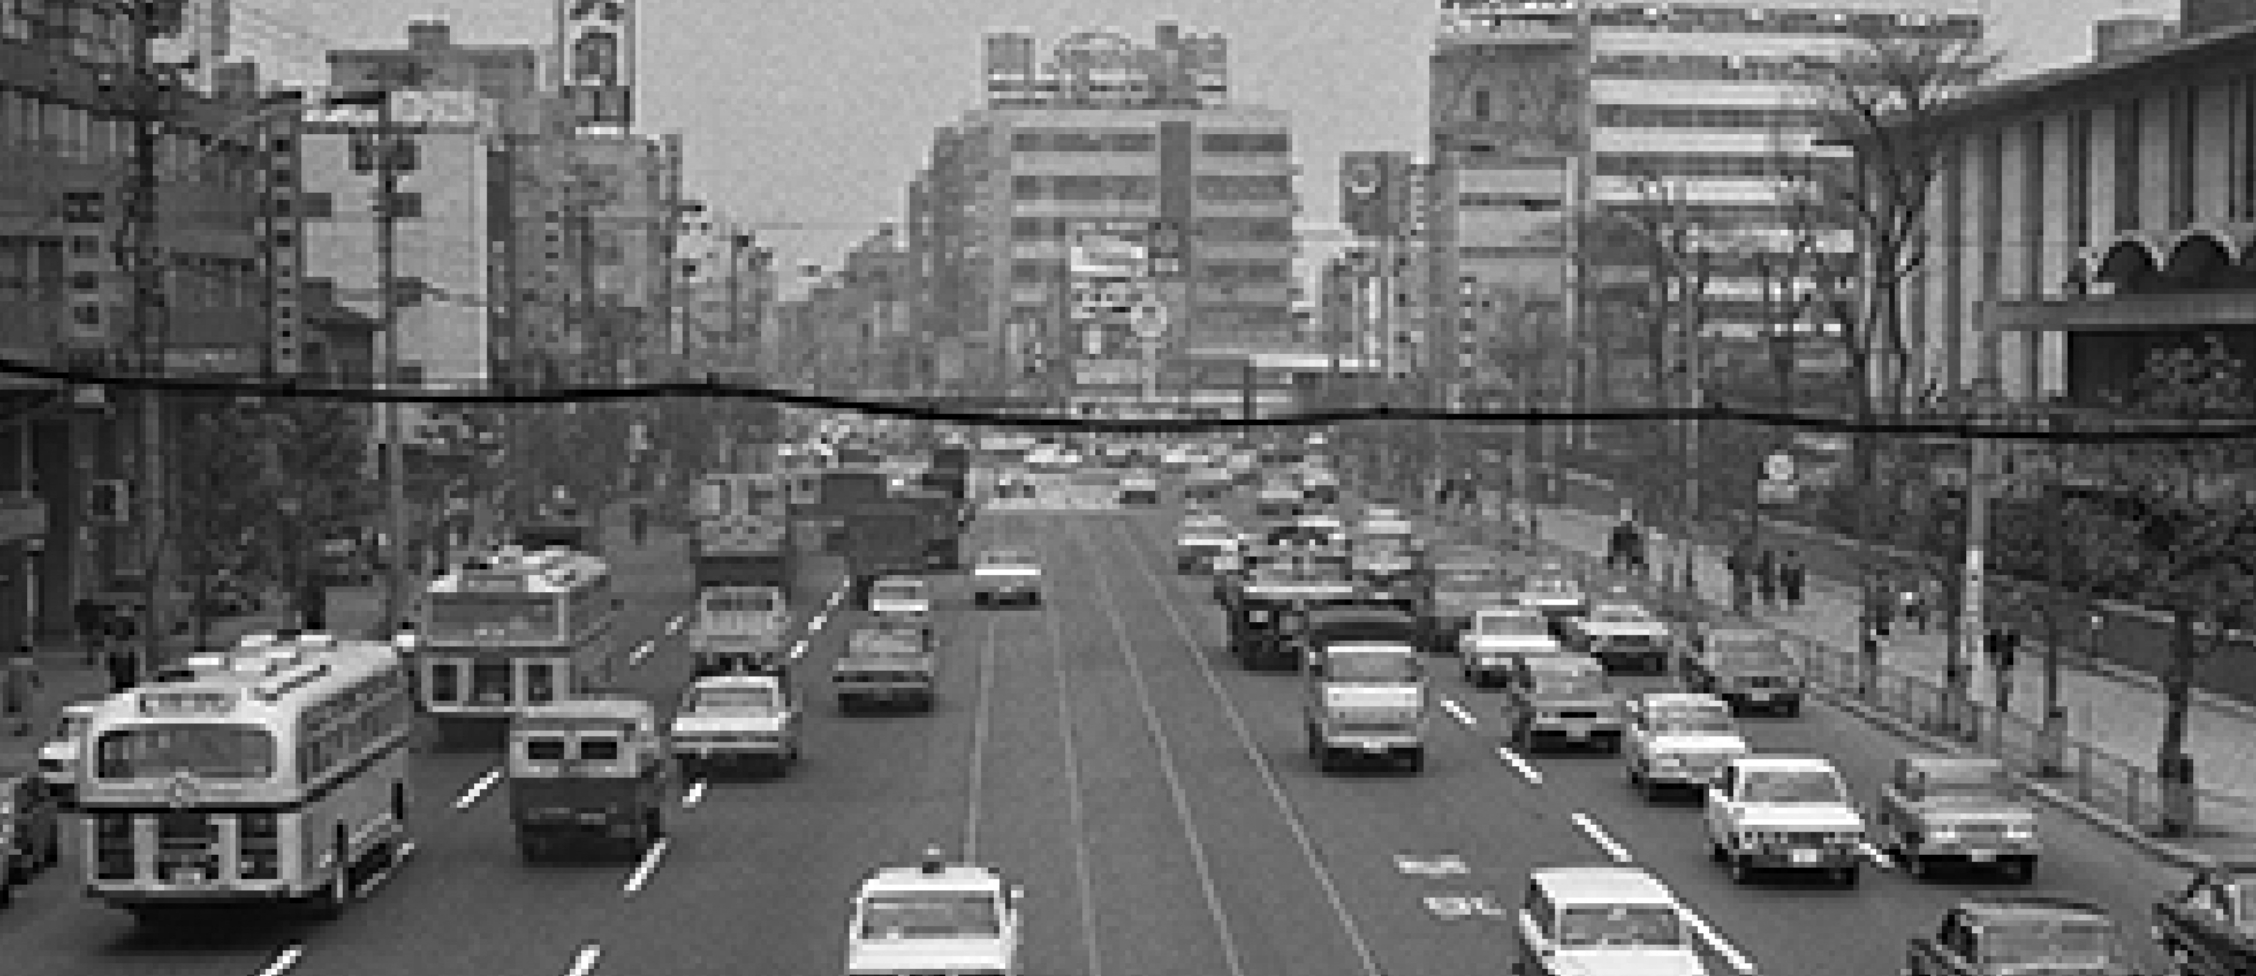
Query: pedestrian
[[1879, 606], [1766, 579], [120, 663], [1793, 578], [16, 687], [88, 618], [638, 515]]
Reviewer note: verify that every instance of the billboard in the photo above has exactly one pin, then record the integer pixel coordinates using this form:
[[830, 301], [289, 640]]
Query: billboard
[[595, 48], [1374, 193]]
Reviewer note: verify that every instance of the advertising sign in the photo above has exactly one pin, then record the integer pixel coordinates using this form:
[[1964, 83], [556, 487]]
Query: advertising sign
[[596, 48]]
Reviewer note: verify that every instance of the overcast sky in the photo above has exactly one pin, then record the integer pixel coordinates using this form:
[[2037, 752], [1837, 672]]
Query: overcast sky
[[822, 110]]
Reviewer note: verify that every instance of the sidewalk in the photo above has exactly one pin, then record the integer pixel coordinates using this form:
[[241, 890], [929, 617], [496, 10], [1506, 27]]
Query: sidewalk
[[66, 677], [2114, 720]]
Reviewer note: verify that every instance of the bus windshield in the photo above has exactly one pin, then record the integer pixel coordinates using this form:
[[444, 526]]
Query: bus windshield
[[493, 616], [206, 751]]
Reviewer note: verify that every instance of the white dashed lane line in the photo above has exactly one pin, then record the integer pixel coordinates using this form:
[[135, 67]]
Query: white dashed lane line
[[1600, 837], [284, 960], [583, 961], [675, 625], [1459, 712], [1521, 766], [694, 796], [469, 797], [641, 651], [1878, 857], [799, 650], [648, 866]]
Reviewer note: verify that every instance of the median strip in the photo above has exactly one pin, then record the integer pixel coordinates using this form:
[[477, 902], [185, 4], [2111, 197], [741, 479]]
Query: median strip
[[1521, 766], [478, 789]]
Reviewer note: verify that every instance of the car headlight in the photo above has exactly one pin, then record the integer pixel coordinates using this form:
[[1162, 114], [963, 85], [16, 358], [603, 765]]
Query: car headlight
[[1943, 835], [1258, 616], [1668, 762], [2021, 832]]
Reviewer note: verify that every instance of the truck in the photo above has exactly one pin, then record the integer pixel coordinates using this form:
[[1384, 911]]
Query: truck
[[1459, 582], [739, 630], [942, 529], [1270, 604], [1367, 692], [742, 536], [884, 538], [1776, 811], [592, 769]]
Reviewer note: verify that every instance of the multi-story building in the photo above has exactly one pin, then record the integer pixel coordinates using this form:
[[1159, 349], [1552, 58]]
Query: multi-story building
[[724, 293], [67, 460], [1133, 142], [2087, 217], [1555, 124]]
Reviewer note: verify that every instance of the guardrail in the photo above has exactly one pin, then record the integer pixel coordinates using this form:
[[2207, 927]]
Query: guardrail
[[2084, 770]]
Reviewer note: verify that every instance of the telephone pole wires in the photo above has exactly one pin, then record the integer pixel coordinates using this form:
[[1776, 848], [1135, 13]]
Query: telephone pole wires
[[389, 145], [139, 252]]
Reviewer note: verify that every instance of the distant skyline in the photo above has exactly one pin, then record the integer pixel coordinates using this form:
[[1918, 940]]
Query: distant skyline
[[817, 111]]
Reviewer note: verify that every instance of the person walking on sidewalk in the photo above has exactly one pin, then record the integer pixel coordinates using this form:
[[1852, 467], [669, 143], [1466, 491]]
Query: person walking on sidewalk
[[17, 686], [1741, 564], [638, 520], [92, 624], [1914, 598], [1766, 579], [1793, 578]]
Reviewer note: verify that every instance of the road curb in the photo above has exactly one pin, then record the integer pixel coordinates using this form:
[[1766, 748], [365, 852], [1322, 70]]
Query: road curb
[[2161, 850]]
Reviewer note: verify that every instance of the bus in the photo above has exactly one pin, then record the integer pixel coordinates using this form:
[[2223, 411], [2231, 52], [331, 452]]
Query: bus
[[273, 773], [743, 531], [512, 629]]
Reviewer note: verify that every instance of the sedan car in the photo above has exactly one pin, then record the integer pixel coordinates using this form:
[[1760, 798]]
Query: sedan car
[[1962, 809], [1006, 576], [1613, 918], [1139, 489], [1679, 740], [1497, 637], [2209, 926]]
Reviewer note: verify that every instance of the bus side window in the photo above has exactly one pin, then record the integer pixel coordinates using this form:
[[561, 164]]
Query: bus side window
[[599, 750], [544, 749]]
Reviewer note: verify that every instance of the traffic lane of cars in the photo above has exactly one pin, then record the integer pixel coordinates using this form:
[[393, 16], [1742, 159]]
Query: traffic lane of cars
[[1432, 865], [1266, 883], [760, 867]]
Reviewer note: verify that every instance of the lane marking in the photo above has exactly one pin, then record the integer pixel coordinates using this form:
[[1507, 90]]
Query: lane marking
[[650, 859], [583, 961], [1878, 857], [675, 625], [799, 649], [835, 596], [641, 651], [1075, 814], [694, 796], [979, 743], [1145, 559], [469, 797], [398, 860], [1458, 712], [284, 959], [819, 620], [1521, 766], [1732, 957], [1598, 835]]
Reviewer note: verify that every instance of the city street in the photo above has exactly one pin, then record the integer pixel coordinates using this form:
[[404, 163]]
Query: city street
[[1107, 753]]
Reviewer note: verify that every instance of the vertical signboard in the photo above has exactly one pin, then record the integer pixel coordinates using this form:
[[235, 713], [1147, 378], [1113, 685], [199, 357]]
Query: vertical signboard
[[595, 48]]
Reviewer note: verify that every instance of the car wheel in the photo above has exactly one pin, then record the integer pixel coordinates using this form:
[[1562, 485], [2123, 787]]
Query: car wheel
[[1793, 709], [1742, 869], [1848, 876], [2024, 870], [55, 848]]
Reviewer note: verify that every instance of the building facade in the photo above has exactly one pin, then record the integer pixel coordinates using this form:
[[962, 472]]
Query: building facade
[[1108, 137], [1562, 129], [67, 460], [2088, 217]]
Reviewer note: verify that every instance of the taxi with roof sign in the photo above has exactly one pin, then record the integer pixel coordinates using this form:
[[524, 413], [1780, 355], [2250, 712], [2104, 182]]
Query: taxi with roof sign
[[1614, 919], [934, 918]]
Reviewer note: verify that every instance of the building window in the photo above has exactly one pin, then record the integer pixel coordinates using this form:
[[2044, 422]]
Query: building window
[[2128, 182], [1082, 141], [1245, 143], [2079, 178], [85, 246], [2185, 153], [2035, 200], [407, 206], [1706, 117], [1244, 188], [1480, 105]]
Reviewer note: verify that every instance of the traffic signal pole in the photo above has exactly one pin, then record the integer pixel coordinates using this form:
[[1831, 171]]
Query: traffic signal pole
[[137, 250], [396, 579]]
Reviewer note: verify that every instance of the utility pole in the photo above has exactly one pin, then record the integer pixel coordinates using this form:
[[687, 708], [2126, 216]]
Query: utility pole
[[138, 250], [388, 148]]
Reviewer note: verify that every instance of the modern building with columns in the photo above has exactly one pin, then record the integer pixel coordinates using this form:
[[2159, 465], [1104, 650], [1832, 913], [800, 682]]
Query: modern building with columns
[[2088, 216]]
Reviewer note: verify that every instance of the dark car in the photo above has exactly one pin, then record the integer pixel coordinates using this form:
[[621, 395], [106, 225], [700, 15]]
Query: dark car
[[2210, 927], [31, 829], [2021, 935], [1747, 666]]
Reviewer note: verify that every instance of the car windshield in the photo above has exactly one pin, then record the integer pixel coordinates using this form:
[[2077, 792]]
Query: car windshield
[[209, 751], [932, 915], [1615, 613], [1467, 577], [1007, 558], [1794, 786], [1377, 665], [2077, 942], [1691, 721], [909, 592], [1511, 625], [1551, 587], [761, 602], [1975, 783], [1567, 681], [1620, 926], [1747, 653], [733, 699]]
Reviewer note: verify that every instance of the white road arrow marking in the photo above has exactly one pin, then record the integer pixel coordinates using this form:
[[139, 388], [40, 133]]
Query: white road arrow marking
[[798, 650]]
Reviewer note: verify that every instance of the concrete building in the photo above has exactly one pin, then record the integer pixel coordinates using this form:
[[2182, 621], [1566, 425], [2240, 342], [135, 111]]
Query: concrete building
[[1139, 143], [2089, 216], [66, 460], [724, 293], [1553, 122]]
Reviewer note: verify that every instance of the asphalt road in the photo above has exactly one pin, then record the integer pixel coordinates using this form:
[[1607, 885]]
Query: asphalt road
[[1105, 751]]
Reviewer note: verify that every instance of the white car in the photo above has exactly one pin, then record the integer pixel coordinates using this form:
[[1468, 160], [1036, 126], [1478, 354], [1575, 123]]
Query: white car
[[1006, 576], [1680, 739], [1770, 812], [1587, 920], [1495, 637], [934, 917], [58, 756], [736, 719], [1624, 636], [900, 596]]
